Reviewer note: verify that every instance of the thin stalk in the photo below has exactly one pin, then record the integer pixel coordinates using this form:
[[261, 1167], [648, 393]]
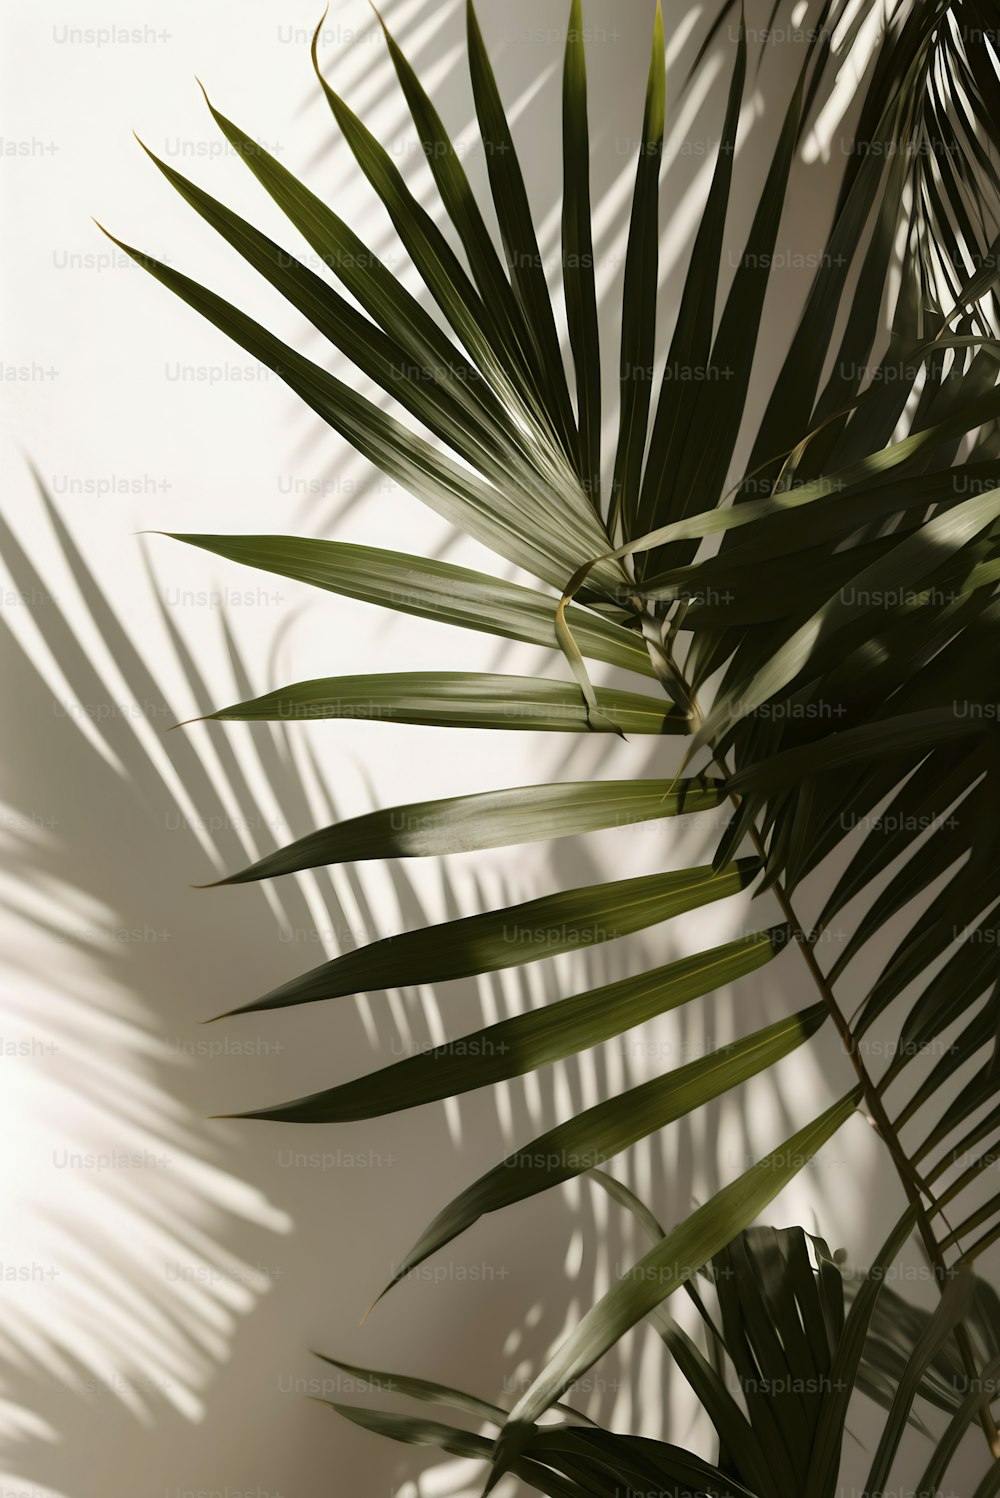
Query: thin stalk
[[912, 1182]]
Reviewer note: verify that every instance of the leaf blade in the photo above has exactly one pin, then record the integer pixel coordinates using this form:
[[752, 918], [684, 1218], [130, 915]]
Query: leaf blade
[[609, 1127], [567, 920], [459, 699], [525, 1042], [492, 819], [674, 1260], [430, 589], [524, 260], [579, 285], [639, 295]]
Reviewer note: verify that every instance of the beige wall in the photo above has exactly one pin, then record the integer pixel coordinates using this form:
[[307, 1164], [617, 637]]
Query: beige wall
[[166, 1276]]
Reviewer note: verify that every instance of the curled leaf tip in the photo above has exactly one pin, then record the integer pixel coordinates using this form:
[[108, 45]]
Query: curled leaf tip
[[314, 49], [601, 723], [185, 722]]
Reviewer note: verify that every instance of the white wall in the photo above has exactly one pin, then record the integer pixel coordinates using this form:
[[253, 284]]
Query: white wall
[[158, 1308]]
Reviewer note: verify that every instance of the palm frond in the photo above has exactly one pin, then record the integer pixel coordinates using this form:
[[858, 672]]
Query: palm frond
[[818, 599]]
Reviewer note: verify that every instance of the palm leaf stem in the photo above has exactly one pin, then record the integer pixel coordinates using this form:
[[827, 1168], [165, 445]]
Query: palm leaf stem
[[912, 1182]]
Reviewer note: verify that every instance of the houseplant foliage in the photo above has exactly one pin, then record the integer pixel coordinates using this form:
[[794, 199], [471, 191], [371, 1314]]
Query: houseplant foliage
[[821, 638]]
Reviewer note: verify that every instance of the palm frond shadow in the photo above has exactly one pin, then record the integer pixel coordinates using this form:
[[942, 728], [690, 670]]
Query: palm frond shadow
[[122, 1202]]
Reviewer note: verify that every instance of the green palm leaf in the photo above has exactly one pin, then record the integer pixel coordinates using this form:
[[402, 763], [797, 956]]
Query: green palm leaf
[[639, 296], [579, 281], [568, 921], [604, 1131], [495, 819], [825, 575], [432, 590], [666, 1267], [524, 260], [462, 699], [528, 1041]]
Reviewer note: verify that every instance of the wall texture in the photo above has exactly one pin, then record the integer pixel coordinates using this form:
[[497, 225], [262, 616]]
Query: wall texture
[[165, 1275]]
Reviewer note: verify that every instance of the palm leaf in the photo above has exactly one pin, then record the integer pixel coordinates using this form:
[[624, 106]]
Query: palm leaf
[[579, 282], [568, 921], [833, 593], [430, 589], [461, 699], [528, 1041], [639, 294], [524, 260], [665, 1267], [495, 819]]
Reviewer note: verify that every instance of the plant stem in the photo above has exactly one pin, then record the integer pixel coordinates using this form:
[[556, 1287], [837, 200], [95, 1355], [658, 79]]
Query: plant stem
[[912, 1182]]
